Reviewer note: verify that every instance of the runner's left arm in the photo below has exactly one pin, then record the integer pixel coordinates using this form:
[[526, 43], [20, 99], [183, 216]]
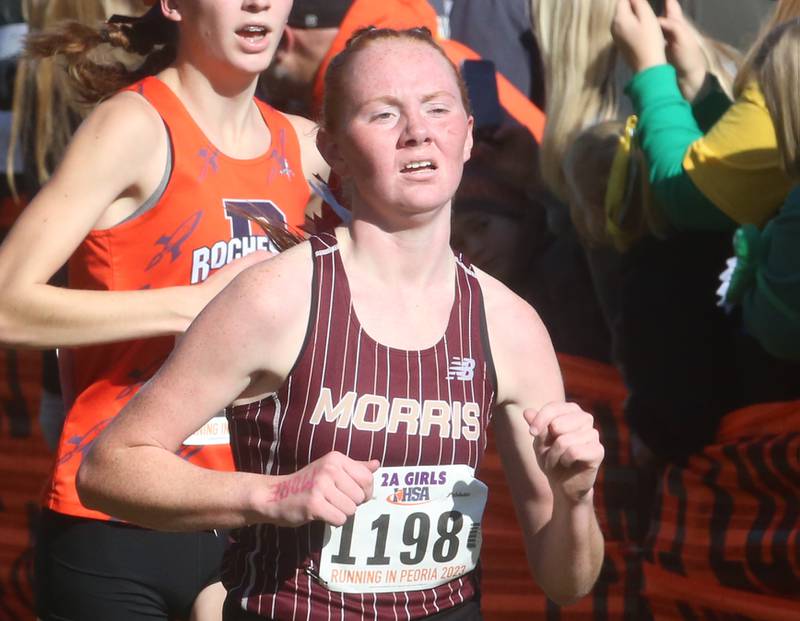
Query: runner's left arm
[[549, 449]]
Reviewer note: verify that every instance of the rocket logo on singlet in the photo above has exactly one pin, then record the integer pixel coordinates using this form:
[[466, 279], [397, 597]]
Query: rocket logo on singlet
[[243, 239], [461, 369], [171, 245]]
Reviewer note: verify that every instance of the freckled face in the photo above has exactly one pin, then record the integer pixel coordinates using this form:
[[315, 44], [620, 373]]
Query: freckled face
[[239, 35], [404, 135]]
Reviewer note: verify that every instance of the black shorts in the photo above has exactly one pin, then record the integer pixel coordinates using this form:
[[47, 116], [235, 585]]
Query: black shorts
[[468, 611], [91, 570]]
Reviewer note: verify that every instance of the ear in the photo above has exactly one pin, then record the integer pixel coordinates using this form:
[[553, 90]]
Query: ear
[[330, 151], [171, 10], [468, 141]]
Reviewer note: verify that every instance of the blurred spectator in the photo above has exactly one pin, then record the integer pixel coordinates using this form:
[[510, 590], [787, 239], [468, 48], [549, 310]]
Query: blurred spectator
[[587, 167], [500, 223], [731, 175], [721, 541], [767, 276], [673, 346], [585, 76], [499, 30], [706, 175]]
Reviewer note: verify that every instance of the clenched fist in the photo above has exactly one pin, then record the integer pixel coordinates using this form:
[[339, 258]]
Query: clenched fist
[[328, 489], [567, 447]]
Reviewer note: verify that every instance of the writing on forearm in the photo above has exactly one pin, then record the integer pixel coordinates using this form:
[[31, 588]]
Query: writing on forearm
[[295, 485]]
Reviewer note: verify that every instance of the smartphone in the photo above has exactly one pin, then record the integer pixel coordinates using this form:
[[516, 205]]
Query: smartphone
[[481, 79]]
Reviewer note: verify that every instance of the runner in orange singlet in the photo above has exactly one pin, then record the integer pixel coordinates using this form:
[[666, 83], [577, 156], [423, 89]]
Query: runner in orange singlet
[[145, 209]]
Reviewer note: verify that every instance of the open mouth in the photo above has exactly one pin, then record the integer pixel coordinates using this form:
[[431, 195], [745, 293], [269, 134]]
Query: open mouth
[[417, 166], [252, 33]]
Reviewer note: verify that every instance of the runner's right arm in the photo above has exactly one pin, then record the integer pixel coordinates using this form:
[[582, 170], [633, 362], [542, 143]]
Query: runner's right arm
[[244, 344]]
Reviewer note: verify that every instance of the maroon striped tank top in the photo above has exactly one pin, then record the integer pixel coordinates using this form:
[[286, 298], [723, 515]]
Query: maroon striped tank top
[[271, 570]]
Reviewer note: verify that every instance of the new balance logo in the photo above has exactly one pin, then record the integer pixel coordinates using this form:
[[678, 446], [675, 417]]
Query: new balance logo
[[461, 369]]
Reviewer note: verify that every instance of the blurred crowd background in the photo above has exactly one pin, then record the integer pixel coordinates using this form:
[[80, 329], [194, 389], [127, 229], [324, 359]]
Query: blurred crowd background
[[649, 215]]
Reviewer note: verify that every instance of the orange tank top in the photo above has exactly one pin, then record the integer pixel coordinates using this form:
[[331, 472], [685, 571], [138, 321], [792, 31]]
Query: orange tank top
[[190, 231]]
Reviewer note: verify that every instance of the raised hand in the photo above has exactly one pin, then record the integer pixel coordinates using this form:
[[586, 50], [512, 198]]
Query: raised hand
[[637, 33], [567, 447], [328, 489], [683, 49]]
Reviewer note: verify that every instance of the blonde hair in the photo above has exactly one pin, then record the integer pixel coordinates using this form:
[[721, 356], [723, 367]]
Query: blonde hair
[[585, 75], [777, 67], [784, 11], [49, 102]]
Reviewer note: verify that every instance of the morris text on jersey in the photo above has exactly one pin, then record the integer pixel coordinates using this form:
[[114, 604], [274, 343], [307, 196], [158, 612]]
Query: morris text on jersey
[[374, 412]]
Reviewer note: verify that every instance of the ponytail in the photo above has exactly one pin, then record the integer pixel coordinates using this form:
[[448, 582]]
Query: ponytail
[[95, 76]]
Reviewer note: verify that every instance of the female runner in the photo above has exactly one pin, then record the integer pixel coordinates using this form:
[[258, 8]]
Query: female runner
[[143, 206], [366, 388]]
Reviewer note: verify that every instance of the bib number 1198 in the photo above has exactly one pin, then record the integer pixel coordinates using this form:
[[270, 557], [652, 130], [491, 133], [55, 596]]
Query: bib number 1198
[[416, 535], [406, 539]]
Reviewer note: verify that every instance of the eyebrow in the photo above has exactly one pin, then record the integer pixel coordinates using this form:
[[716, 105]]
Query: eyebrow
[[438, 94], [389, 99]]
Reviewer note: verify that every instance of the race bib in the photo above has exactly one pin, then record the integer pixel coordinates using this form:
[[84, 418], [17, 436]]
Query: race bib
[[421, 529], [214, 431]]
